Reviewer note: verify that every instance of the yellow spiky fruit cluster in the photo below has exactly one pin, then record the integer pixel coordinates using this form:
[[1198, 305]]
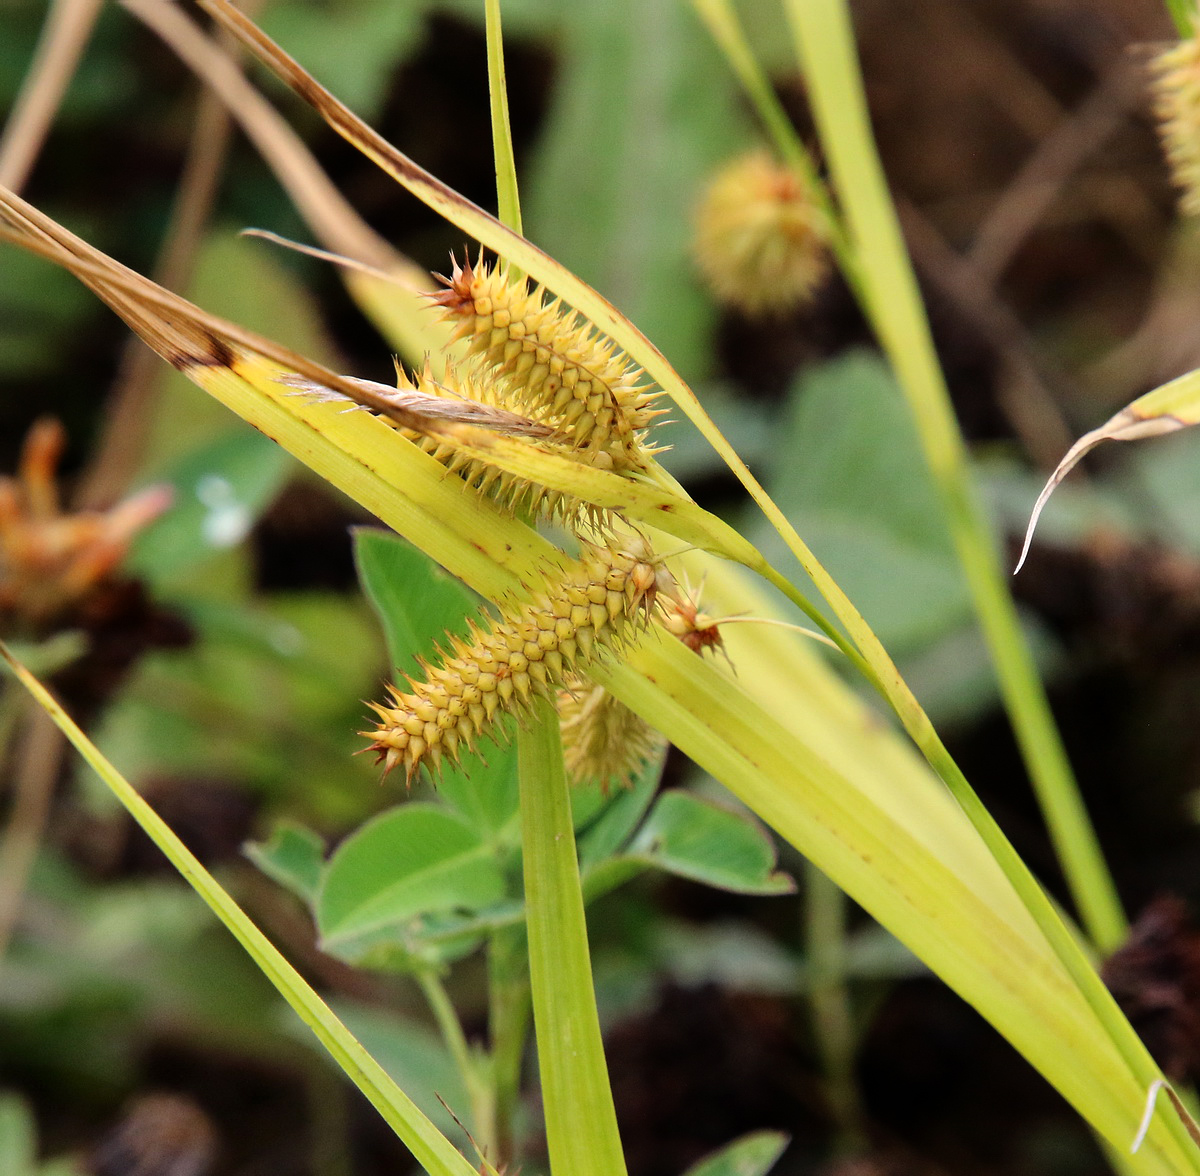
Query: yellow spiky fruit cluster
[[511, 493], [550, 361], [530, 651], [1176, 94], [603, 740], [760, 238]]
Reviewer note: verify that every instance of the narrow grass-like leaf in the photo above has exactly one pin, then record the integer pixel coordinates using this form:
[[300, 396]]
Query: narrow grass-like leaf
[[720, 18], [508, 200], [429, 1147], [788, 739], [825, 48], [874, 660], [752, 1155]]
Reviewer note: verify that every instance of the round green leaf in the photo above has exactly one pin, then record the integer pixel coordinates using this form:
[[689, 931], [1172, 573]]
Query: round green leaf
[[410, 861]]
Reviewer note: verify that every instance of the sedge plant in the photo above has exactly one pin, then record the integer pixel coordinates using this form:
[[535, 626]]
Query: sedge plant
[[548, 411]]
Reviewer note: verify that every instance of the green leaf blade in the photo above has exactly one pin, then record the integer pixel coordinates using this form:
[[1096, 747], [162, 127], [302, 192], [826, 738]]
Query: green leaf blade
[[415, 859], [752, 1155], [293, 856], [697, 839]]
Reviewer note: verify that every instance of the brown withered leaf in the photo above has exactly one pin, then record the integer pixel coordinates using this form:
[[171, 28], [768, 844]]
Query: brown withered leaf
[[186, 336], [400, 405]]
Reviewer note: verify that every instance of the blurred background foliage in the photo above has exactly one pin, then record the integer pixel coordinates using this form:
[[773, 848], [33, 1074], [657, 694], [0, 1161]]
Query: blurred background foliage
[[1060, 286]]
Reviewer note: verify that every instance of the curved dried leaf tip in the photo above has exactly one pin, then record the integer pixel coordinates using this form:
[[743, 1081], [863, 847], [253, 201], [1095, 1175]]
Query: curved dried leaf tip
[[1176, 93], [531, 651], [761, 241], [552, 365]]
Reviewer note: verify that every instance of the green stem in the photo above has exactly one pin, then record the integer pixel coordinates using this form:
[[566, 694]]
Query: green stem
[[508, 207], [833, 1026], [892, 300], [479, 1089], [581, 1123], [722, 23], [508, 1005]]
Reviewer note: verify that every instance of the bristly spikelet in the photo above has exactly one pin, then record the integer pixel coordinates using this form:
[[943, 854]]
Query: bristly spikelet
[[603, 740], [760, 238], [553, 365], [513, 494], [530, 651], [1176, 94]]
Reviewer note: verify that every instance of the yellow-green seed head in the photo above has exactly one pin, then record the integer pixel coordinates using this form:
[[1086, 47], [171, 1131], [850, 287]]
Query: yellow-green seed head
[[553, 365], [1176, 94], [603, 740], [529, 652], [760, 240], [511, 493]]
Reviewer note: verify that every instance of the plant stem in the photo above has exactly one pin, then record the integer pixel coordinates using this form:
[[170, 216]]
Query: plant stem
[[826, 46], [64, 36], [581, 1122], [508, 1005], [479, 1089], [508, 208], [833, 1027]]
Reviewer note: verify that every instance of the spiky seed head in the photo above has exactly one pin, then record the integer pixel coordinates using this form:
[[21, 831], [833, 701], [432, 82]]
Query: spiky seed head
[[529, 652], [513, 494], [760, 238], [1175, 89], [551, 364], [603, 740]]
